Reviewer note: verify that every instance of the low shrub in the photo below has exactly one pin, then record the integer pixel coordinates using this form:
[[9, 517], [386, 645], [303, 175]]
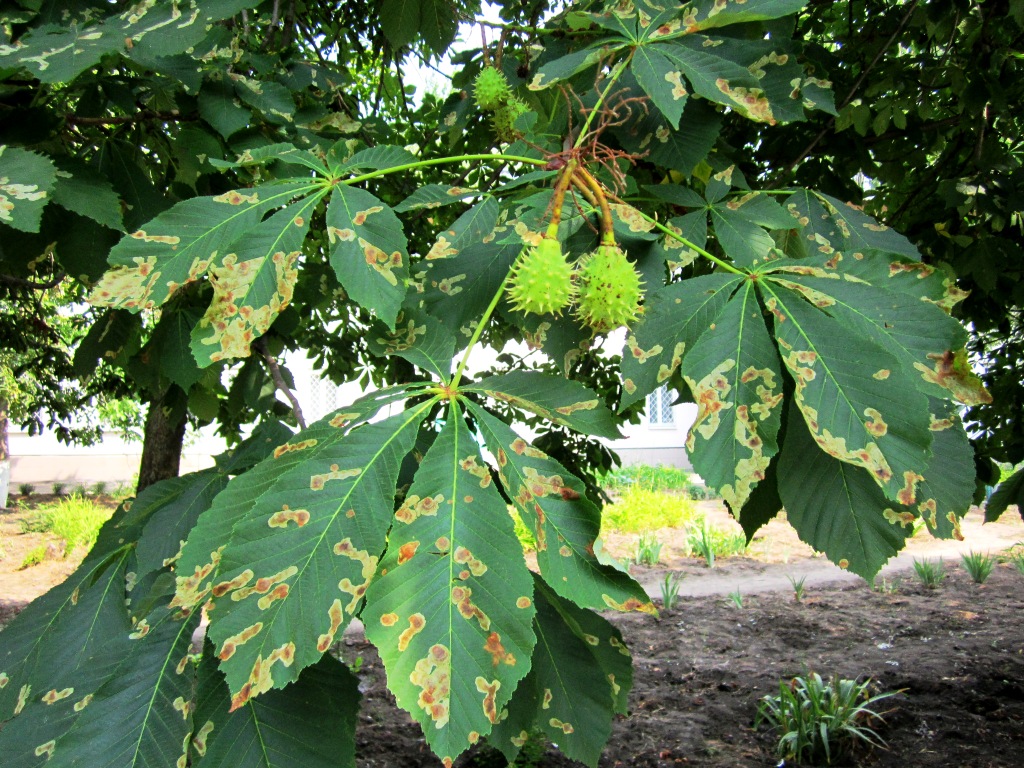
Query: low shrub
[[646, 477], [76, 520], [639, 510]]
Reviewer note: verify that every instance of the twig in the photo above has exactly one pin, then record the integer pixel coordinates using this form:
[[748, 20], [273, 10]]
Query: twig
[[22, 283], [138, 117], [260, 345]]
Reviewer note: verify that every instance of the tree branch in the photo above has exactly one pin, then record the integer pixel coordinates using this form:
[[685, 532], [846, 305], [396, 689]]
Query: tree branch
[[260, 345], [138, 117], [22, 283]]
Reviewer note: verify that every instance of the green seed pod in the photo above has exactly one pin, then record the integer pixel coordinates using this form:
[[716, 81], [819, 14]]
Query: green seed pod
[[609, 290], [505, 119], [491, 89], [541, 280]]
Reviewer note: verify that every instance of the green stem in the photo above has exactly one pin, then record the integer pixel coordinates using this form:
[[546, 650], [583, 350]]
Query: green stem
[[613, 78], [442, 161], [477, 333], [693, 246]]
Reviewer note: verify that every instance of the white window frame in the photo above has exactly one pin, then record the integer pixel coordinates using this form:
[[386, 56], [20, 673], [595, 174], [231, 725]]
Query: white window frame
[[660, 414]]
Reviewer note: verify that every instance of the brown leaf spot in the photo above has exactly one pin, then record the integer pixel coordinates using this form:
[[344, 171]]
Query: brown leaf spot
[[281, 519], [46, 749], [261, 678], [342, 419], [199, 740], [629, 604], [432, 674], [546, 699], [498, 653], [470, 464], [586, 405], [281, 450], [490, 692], [415, 507], [264, 584], [406, 551], [524, 602], [83, 702], [239, 581], [230, 645], [317, 482], [336, 616], [461, 596], [53, 696], [567, 728], [875, 425], [416, 624], [844, 563], [465, 557], [882, 374], [234, 197], [443, 544]]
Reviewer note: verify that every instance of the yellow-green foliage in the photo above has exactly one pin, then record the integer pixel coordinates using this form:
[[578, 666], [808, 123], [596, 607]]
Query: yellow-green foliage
[[523, 533], [34, 556], [660, 478], [639, 510], [75, 519]]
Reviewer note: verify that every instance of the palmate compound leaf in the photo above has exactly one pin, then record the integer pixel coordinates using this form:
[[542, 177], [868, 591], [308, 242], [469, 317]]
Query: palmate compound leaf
[[564, 523], [858, 401], [310, 723], [576, 711], [419, 338], [451, 612], [368, 251], [675, 317], [735, 375], [287, 549], [180, 245]]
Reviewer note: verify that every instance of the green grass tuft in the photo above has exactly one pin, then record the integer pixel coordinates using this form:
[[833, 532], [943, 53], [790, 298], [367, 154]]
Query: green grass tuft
[[639, 510], [76, 520]]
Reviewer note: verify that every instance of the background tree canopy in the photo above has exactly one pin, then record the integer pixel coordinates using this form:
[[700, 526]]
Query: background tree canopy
[[223, 180]]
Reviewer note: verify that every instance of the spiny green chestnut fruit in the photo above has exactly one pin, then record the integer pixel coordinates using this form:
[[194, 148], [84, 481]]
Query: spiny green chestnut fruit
[[609, 290], [541, 279], [491, 89], [505, 119]]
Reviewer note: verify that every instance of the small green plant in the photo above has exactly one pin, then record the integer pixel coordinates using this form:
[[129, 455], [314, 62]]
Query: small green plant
[[100, 488], [979, 565], [1016, 557], [930, 572], [648, 549], [74, 519], [80, 490], [696, 492], [700, 540], [670, 590], [640, 509], [737, 598], [58, 489], [885, 586], [26, 489], [645, 477], [798, 587], [710, 542], [34, 556], [818, 721]]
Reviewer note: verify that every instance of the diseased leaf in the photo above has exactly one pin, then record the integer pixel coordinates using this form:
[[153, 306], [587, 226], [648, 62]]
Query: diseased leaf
[[252, 284], [662, 80], [944, 495], [375, 158], [576, 712], [860, 232], [710, 14], [674, 318], [564, 68], [435, 196], [280, 152], [287, 554], [556, 399], [470, 228], [679, 150], [142, 716], [274, 100], [877, 421], [310, 723], [368, 251], [179, 246], [57, 653], [744, 242], [836, 507], [419, 338], [564, 523], [26, 183], [735, 376], [451, 612]]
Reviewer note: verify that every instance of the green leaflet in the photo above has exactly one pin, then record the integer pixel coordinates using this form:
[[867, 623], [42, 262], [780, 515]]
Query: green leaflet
[[556, 399], [675, 318], [419, 338], [368, 251], [284, 152], [575, 712], [709, 14], [451, 611], [564, 68], [26, 182], [179, 246], [678, 150], [302, 549], [945, 493], [56, 654], [470, 228], [1010, 491], [659, 77], [920, 334], [836, 507], [877, 421], [734, 373], [82, 190], [435, 196], [142, 716], [738, 226], [310, 723], [252, 284], [564, 523], [167, 511], [404, 20], [370, 159]]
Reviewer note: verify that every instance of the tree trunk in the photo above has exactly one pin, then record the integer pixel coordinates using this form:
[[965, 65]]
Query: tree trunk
[[161, 446], [5, 455]]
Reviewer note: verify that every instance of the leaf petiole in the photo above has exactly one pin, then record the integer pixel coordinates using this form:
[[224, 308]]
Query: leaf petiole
[[442, 161]]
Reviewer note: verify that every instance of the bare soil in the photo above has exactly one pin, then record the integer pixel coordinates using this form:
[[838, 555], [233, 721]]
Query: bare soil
[[956, 652]]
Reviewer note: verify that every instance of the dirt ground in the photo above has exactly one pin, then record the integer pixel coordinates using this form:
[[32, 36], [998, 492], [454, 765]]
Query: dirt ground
[[956, 652]]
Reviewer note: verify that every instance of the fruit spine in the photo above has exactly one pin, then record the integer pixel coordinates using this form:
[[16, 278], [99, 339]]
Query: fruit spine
[[609, 289]]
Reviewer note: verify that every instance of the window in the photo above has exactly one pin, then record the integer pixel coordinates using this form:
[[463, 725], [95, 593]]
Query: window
[[659, 407]]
